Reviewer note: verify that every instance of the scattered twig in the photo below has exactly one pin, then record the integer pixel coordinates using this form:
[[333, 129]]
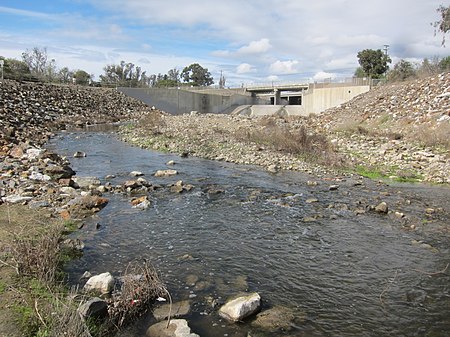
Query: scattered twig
[[388, 286], [38, 314], [435, 273], [170, 308], [10, 265]]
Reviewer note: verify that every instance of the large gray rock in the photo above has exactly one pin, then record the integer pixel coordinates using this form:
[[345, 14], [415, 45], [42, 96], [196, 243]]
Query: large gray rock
[[177, 328], [179, 309], [275, 318], [59, 172], [94, 308], [241, 307], [102, 283]]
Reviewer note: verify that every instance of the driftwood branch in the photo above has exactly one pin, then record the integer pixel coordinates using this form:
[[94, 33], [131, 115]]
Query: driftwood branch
[[435, 273], [388, 286]]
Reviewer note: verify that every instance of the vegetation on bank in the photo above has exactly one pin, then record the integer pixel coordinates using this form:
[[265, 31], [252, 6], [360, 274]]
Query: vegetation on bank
[[35, 298]]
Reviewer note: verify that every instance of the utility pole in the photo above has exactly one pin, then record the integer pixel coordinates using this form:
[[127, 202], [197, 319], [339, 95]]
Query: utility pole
[[386, 48]]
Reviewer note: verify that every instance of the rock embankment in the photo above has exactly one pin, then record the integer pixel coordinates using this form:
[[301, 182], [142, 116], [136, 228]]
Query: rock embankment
[[398, 130], [29, 114], [31, 111], [402, 128]]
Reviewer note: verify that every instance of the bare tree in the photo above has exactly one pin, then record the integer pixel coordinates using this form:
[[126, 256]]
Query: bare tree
[[442, 25], [37, 61]]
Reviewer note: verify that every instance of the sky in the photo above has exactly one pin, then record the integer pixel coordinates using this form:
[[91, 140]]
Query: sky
[[248, 41]]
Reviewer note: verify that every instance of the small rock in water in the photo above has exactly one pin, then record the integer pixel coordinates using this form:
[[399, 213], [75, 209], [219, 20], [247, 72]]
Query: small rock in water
[[141, 203], [136, 173], [333, 187], [177, 309], [176, 328], [382, 208], [79, 154], [165, 173]]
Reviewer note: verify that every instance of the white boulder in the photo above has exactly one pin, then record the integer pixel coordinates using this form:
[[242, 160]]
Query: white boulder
[[241, 307], [102, 283]]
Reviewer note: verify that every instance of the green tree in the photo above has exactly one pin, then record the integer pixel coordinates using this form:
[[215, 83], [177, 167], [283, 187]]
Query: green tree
[[402, 71], [174, 75], [359, 72], [196, 75], [124, 74], [443, 24], [374, 63], [65, 75], [444, 64], [82, 77], [14, 69]]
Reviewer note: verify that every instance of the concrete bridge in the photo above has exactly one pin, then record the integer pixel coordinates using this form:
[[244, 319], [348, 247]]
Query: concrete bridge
[[299, 98], [291, 93]]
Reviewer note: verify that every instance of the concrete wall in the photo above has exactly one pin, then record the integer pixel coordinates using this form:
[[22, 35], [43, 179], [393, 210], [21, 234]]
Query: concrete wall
[[177, 101], [266, 110], [316, 100]]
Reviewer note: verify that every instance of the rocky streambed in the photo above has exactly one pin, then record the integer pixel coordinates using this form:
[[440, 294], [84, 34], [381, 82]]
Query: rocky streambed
[[334, 254]]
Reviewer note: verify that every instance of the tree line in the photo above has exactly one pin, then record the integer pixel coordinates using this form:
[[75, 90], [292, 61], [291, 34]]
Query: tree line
[[36, 65], [375, 64]]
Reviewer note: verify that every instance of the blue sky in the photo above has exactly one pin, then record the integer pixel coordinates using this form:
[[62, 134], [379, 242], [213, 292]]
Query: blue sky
[[249, 40]]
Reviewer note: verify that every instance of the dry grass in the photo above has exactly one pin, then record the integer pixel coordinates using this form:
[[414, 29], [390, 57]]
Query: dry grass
[[66, 320], [153, 122], [38, 253], [438, 136], [279, 136]]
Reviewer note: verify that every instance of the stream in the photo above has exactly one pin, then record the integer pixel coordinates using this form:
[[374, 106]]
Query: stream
[[300, 245]]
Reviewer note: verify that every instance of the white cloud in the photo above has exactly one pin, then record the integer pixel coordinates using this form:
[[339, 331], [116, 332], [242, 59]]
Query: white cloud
[[321, 75], [272, 78], [245, 68], [221, 53], [284, 67], [295, 39], [115, 29], [26, 13], [255, 47]]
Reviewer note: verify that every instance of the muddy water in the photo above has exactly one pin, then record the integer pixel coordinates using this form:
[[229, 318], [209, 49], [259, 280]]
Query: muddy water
[[243, 229]]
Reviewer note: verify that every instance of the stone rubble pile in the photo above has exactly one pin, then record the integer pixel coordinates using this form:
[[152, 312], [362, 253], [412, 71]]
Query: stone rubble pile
[[31, 111], [403, 128], [29, 114], [401, 105]]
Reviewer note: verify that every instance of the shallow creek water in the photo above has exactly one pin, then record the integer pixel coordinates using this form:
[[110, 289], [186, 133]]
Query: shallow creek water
[[339, 273]]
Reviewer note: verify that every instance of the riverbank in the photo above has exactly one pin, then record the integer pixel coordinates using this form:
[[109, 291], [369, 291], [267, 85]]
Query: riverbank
[[399, 131], [39, 199]]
